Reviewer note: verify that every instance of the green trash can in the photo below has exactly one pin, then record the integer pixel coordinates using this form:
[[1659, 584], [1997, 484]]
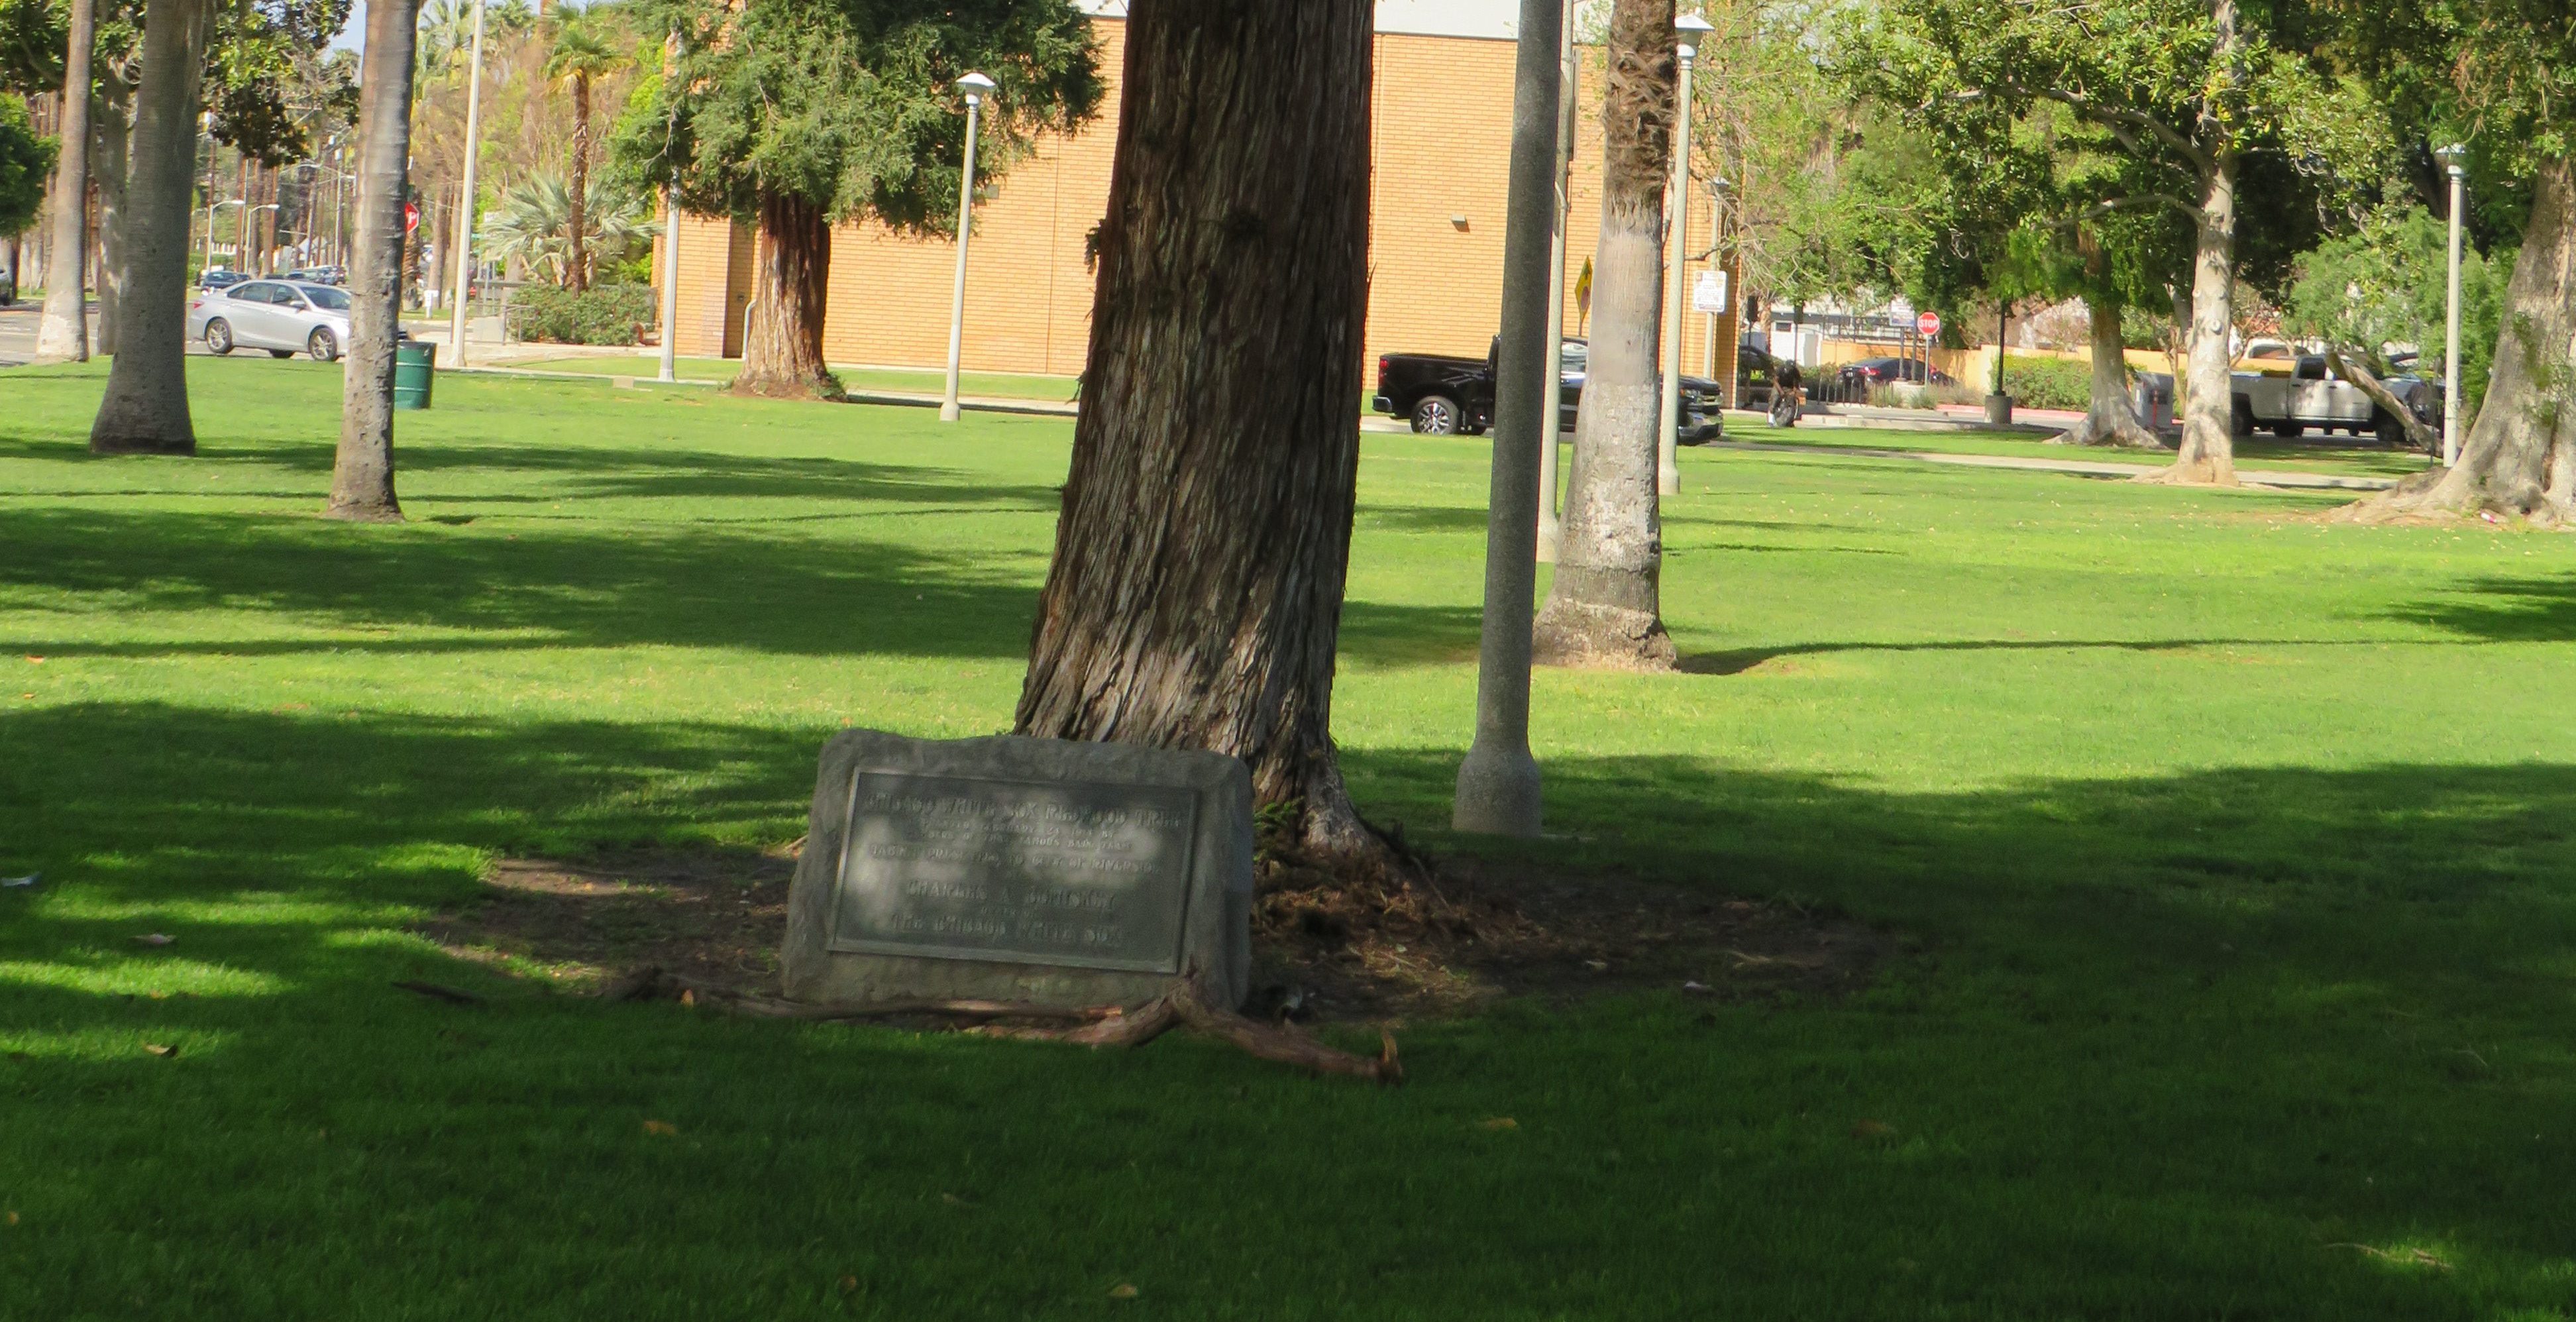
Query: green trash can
[[414, 370]]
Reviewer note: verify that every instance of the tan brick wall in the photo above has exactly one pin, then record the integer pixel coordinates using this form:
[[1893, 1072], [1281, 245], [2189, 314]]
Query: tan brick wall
[[1440, 148]]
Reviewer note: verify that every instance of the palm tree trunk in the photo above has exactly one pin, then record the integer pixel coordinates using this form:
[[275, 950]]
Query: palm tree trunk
[[1604, 606], [1195, 596], [577, 263], [2520, 456], [362, 472], [145, 409], [782, 352], [112, 135], [62, 332]]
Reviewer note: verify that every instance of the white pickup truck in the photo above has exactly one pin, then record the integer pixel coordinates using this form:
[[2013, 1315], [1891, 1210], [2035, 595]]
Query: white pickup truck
[[2314, 396]]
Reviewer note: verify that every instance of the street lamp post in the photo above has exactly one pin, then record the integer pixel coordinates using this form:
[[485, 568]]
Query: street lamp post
[[2452, 156], [1498, 783], [1569, 97], [1668, 472], [211, 208], [266, 257], [465, 205], [975, 86]]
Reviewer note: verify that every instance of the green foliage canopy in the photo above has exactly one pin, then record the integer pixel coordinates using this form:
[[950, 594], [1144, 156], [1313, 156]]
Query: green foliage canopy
[[25, 161], [850, 104]]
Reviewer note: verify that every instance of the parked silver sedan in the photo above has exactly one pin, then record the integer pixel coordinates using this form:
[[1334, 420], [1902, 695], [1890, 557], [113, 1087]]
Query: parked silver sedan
[[284, 317]]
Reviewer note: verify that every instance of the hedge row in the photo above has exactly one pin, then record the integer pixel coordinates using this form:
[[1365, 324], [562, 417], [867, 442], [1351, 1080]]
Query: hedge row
[[604, 314], [2049, 383]]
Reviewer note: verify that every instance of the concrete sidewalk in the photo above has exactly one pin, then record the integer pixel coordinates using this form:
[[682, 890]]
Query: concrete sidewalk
[[2084, 467]]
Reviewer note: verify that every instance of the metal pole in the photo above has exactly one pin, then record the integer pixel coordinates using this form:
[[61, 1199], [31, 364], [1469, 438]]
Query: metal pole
[[948, 411], [670, 285], [1668, 472], [2451, 401], [1549, 533], [1498, 783], [465, 210]]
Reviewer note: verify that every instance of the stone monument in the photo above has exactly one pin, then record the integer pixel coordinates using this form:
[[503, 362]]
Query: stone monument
[[1005, 868]]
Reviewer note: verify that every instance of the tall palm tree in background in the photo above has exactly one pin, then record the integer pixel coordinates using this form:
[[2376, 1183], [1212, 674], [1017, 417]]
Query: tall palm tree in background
[[582, 55]]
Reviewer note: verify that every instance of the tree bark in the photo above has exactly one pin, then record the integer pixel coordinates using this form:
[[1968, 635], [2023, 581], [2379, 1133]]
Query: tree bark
[[2110, 418], [782, 353], [1195, 596], [1604, 607], [112, 140], [2208, 453], [577, 256], [362, 472], [145, 409], [2520, 458], [62, 329], [2350, 367]]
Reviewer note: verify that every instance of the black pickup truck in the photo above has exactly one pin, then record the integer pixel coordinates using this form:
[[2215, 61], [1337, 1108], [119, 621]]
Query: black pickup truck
[[1447, 396]]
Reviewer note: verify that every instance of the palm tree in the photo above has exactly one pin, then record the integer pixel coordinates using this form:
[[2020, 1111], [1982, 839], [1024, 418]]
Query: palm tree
[[534, 225], [582, 54]]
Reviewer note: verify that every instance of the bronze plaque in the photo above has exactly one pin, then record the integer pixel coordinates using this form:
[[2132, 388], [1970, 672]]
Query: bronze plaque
[[1080, 874]]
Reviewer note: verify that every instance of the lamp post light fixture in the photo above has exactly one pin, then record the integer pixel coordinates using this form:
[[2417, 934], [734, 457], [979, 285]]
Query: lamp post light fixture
[[208, 263], [268, 256], [1668, 472], [976, 87], [2452, 156], [465, 195], [1498, 782]]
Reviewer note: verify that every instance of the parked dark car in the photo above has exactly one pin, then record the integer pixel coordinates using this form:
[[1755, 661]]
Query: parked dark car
[[1445, 396], [319, 275], [1885, 371], [220, 279]]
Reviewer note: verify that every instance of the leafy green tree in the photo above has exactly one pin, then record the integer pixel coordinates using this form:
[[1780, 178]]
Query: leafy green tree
[[796, 115], [2386, 283], [2191, 91], [25, 160], [2500, 76]]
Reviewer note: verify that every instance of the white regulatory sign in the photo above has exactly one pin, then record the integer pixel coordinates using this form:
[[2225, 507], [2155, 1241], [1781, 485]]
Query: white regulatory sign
[[1709, 295]]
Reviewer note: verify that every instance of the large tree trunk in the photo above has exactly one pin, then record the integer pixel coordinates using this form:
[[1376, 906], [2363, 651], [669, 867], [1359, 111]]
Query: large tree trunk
[[145, 409], [1195, 596], [2111, 419], [62, 330], [1604, 607], [112, 140], [2521, 456], [782, 347], [362, 472], [578, 259], [2208, 452]]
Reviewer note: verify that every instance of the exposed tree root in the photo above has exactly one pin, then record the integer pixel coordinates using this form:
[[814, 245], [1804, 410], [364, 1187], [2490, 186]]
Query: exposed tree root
[[2205, 472], [2122, 432], [825, 386], [1184, 1005], [2443, 495]]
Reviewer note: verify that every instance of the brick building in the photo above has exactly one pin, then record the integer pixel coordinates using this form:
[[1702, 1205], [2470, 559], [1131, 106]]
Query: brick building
[[1441, 125]]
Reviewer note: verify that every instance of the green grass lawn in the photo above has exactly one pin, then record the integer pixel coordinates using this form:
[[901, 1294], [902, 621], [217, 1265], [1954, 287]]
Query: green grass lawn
[[1002, 385], [2229, 851]]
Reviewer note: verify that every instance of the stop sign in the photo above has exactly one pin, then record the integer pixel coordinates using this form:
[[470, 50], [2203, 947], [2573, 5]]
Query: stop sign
[[411, 221], [1929, 323]]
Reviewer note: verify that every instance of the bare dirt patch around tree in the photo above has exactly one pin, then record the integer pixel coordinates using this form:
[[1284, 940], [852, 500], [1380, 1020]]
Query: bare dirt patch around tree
[[1446, 940]]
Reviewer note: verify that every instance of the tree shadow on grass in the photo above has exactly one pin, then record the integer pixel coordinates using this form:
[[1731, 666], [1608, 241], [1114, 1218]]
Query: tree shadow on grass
[[2173, 1046], [742, 585], [2502, 610]]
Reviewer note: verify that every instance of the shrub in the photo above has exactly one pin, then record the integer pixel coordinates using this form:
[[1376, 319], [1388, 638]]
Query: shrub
[[2049, 383], [606, 314]]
